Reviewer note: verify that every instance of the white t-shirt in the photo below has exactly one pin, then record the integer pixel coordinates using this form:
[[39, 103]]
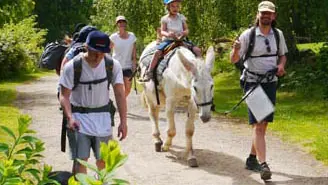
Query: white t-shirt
[[123, 49], [94, 124], [174, 25], [261, 65]]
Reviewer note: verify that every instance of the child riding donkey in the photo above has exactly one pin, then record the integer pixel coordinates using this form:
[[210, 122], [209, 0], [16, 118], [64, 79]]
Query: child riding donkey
[[173, 28]]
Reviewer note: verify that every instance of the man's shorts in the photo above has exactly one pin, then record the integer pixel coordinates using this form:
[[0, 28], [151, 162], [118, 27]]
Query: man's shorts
[[80, 144], [270, 89], [127, 73]]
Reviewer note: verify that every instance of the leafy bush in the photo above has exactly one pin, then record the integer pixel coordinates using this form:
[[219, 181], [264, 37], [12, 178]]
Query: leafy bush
[[323, 68], [113, 158], [20, 157], [19, 47]]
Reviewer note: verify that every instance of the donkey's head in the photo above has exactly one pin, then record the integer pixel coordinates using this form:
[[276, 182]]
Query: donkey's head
[[202, 82]]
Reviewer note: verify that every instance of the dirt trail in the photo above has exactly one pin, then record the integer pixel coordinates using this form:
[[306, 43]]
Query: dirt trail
[[221, 147]]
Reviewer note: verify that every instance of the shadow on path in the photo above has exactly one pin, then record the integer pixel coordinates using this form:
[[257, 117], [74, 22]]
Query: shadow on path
[[222, 164]]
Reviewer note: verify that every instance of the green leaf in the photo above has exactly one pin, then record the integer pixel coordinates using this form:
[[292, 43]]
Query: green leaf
[[89, 166], [13, 180], [49, 182], [34, 172], [84, 179], [121, 161], [30, 139], [34, 161], [4, 148], [72, 181], [37, 156], [120, 181], [9, 131], [24, 150], [103, 151]]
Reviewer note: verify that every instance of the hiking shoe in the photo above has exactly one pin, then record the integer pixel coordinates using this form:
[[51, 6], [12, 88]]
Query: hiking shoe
[[265, 172], [253, 164]]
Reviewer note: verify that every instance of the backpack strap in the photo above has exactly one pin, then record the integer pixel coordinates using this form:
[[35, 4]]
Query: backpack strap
[[250, 47], [277, 37], [251, 44], [109, 69], [77, 64]]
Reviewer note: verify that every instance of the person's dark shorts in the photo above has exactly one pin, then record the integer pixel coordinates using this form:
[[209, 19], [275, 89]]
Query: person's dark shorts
[[127, 73], [270, 89]]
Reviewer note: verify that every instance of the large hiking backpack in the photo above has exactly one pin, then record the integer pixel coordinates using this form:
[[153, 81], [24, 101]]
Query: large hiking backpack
[[52, 55], [250, 47]]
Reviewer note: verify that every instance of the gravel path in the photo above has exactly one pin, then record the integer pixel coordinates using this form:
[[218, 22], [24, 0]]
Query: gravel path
[[221, 147]]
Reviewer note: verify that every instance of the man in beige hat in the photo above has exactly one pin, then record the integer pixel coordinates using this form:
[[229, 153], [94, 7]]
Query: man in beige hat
[[265, 54]]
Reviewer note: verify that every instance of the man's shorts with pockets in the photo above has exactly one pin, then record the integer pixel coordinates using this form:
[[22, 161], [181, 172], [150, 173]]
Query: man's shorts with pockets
[[80, 144]]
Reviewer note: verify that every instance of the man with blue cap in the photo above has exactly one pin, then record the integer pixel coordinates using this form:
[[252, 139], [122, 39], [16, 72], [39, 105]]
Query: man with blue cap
[[85, 100]]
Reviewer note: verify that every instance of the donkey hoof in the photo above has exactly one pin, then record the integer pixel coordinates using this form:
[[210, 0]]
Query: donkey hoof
[[165, 148], [158, 146], [192, 162]]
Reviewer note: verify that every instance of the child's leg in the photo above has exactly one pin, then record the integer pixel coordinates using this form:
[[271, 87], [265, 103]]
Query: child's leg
[[152, 65], [154, 60]]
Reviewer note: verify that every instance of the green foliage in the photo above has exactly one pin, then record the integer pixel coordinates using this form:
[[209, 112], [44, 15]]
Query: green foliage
[[323, 68], [13, 11], [60, 17], [315, 47], [309, 72], [142, 21], [19, 47], [21, 156], [113, 158]]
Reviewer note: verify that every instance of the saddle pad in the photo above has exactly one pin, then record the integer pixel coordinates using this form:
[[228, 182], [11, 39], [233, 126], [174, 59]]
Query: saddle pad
[[163, 62]]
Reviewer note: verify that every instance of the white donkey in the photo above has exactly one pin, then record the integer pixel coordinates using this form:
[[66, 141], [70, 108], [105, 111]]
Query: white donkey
[[184, 76]]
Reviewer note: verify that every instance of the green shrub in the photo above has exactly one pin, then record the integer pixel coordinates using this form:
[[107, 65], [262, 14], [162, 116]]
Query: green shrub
[[20, 157], [113, 158], [20, 47]]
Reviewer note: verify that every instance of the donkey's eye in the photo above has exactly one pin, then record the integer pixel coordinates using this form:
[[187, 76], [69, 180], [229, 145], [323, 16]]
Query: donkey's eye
[[195, 89], [211, 87]]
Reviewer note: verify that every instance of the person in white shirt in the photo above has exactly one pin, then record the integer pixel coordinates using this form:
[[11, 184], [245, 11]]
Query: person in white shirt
[[86, 104], [123, 44]]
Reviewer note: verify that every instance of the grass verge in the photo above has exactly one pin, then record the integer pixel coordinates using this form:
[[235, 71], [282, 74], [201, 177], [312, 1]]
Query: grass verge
[[8, 112], [300, 118]]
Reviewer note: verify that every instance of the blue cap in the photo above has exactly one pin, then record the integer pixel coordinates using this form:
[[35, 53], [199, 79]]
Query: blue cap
[[98, 41], [166, 2]]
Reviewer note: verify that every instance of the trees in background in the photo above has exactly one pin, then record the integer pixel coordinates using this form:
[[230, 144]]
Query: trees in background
[[59, 17], [300, 20]]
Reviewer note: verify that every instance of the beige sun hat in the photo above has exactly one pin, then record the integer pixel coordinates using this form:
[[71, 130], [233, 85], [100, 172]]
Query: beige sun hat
[[266, 6], [120, 18]]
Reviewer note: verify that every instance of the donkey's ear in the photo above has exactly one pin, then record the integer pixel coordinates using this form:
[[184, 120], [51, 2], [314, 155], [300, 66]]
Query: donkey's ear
[[186, 62], [210, 57]]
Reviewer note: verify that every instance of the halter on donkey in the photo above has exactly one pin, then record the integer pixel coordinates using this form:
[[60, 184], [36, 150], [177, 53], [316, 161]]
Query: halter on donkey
[[185, 75]]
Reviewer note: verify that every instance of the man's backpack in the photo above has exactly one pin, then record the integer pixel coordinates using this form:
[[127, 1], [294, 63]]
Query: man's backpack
[[77, 65], [52, 55], [250, 47]]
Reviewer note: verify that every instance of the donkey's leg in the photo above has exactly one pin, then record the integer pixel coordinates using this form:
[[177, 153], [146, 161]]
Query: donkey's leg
[[153, 112], [171, 131], [190, 128]]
